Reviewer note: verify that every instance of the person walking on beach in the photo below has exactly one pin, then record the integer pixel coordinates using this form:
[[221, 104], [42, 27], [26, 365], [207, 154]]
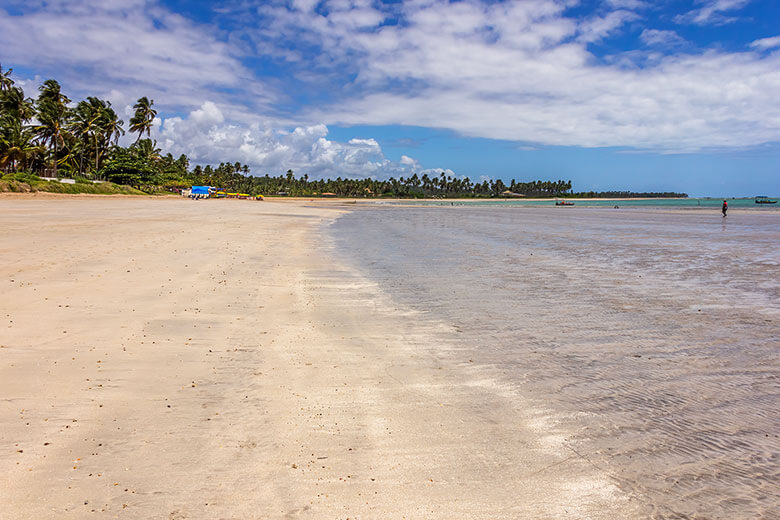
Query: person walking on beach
[[724, 208]]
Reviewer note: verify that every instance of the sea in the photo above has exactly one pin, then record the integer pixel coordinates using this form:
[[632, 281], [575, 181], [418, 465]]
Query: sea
[[681, 203], [651, 334]]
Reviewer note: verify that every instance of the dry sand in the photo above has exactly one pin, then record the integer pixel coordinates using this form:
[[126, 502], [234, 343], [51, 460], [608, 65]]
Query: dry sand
[[178, 359]]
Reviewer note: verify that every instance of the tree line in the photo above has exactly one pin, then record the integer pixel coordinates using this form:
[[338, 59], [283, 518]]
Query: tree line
[[413, 186], [53, 135], [50, 133]]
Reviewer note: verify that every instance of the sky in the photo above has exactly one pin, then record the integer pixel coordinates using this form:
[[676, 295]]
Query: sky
[[666, 95]]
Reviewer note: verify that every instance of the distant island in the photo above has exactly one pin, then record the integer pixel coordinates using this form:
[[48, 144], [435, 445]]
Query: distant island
[[49, 138]]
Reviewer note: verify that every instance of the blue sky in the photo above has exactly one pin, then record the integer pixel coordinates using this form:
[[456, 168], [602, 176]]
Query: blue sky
[[666, 95]]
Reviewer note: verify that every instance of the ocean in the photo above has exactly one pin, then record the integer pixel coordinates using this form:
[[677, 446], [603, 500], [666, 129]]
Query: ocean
[[649, 336], [688, 203]]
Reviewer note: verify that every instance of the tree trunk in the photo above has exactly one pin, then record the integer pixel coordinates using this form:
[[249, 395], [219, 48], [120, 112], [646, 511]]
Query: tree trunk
[[56, 141]]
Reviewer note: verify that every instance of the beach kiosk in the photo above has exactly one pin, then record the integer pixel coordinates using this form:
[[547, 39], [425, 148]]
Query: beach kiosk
[[199, 192]]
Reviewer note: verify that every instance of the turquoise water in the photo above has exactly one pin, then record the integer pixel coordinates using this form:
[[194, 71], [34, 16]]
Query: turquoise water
[[662, 203]]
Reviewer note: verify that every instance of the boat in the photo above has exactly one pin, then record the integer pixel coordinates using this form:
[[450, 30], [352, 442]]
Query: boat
[[563, 203], [762, 199]]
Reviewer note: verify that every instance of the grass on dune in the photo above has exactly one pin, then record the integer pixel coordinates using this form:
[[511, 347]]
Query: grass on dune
[[26, 183]]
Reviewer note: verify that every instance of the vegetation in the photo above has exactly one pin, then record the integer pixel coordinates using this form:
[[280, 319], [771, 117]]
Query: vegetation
[[414, 186], [25, 183], [143, 119], [629, 195], [53, 138]]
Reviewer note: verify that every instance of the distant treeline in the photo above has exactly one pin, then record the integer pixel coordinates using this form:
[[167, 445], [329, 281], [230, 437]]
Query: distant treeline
[[629, 195], [52, 136], [235, 177]]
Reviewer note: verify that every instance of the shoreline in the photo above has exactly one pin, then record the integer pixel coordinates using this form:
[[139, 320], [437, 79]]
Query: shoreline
[[160, 361], [41, 195], [471, 199], [623, 326], [272, 198]]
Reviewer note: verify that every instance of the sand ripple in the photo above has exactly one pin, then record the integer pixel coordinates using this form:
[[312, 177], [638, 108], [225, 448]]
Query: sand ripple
[[650, 336]]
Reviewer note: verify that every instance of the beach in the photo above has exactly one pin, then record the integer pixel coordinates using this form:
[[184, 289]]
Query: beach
[[647, 337], [166, 358]]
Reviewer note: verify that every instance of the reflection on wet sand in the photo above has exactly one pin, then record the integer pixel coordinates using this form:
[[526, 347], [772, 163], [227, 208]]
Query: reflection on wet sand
[[649, 337]]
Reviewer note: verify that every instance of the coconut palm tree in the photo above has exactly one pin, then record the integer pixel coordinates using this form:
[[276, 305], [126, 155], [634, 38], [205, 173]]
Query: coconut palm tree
[[52, 112], [110, 125], [109, 130], [143, 118], [13, 104], [16, 139], [95, 125], [147, 150], [82, 124], [5, 79], [18, 146]]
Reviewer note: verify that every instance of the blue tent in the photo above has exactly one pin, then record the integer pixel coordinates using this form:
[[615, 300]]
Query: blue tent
[[200, 190]]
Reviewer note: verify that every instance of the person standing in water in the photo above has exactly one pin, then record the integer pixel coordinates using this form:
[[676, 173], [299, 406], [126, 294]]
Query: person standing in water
[[724, 208]]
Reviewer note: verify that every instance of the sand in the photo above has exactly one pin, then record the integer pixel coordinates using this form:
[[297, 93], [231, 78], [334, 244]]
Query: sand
[[164, 358]]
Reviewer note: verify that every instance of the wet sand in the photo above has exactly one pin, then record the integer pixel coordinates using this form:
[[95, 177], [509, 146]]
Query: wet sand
[[215, 359], [647, 339]]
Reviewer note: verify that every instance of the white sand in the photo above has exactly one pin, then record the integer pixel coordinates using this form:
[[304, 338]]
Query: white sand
[[163, 358]]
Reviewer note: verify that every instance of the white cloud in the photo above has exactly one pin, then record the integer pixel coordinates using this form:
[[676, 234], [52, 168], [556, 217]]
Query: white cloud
[[711, 13], [599, 27], [522, 71], [408, 161], [661, 38], [207, 139], [628, 4], [207, 115], [519, 70], [124, 49], [766, 43]]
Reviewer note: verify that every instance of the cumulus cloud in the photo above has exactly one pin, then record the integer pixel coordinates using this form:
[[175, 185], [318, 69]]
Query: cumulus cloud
[[522, 71], [516, 70], [207, 138], [123, 49]]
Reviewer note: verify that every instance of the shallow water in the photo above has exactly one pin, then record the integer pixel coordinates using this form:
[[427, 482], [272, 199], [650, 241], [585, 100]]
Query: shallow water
[[689, 203], [650, 336]]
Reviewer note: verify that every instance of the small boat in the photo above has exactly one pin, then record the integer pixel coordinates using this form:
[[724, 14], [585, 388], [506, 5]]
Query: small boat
[[764, 200], [563, 203]]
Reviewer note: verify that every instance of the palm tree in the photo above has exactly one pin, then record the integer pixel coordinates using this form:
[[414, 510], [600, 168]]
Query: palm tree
[[112, 125], [144, 117], [52, 111], [147, 150], [82, 124], [5, 79], [109, 129], [13, 104], [17, 146], [16, 139], [95, 125]]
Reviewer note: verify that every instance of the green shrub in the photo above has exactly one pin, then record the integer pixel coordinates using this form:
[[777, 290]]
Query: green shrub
[[28, 178], [9, 184], [104, 188], [14, 186]]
